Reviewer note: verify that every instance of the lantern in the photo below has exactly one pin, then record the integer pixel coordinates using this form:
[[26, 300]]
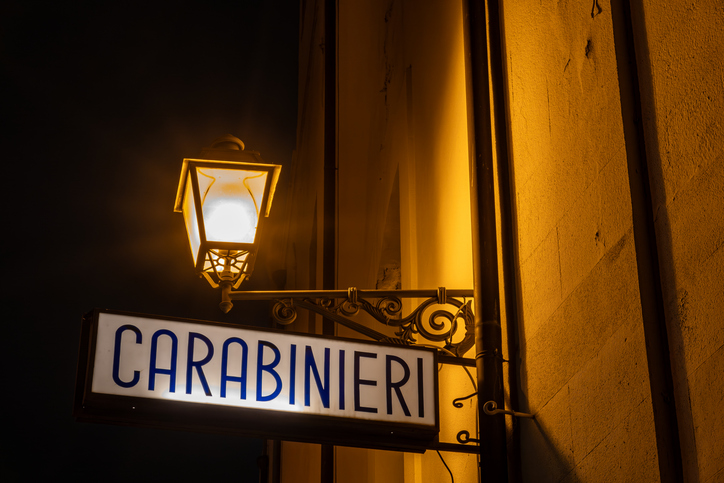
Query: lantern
[[225, 196]]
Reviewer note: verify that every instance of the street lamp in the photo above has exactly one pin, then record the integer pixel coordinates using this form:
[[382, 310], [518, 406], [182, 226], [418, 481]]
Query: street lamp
[[225, 196]]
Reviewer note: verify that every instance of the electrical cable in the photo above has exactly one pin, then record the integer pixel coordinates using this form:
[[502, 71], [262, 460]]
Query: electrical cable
[[452, 479]]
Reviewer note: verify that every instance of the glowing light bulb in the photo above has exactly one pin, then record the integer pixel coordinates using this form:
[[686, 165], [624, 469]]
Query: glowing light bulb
[[230, 220]]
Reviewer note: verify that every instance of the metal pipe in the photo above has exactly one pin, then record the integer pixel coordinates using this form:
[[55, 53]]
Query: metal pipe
[[329, 227], [488, 338], [501, 121]]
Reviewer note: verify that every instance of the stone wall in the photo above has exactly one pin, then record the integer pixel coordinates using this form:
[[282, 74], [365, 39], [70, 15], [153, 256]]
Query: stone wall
[[403, 204]]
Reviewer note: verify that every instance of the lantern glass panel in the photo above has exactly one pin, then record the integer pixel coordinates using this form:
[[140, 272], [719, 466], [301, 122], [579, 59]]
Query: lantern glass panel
[[230, 203], [192, 227]]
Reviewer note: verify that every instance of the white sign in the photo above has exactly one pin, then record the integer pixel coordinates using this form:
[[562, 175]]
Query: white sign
[[225, 365]]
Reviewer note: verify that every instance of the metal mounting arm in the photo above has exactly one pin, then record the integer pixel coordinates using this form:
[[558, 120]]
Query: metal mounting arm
[[339, 305]]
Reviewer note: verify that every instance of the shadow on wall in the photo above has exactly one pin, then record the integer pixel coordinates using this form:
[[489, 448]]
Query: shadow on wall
[[550, 464], [529, 436], [664, 244]]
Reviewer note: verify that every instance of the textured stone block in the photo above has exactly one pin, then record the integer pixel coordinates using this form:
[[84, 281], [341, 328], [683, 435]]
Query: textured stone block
[[707, 401], [688, 108], [627, 454], [566, 120], [541, 284], [594, 223], [582, 324], [695, 223], [608, 387], [695, 317]]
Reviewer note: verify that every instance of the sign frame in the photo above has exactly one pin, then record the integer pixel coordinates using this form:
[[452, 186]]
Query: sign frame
[[93, 406]]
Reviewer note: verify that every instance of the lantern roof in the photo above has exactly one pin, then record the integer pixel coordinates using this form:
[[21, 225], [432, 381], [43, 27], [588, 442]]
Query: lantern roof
[[231, 159]]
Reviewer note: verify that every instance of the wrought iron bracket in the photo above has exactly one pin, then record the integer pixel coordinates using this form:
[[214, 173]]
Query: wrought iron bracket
[[491, 409], [458, 402], [429, 320], [464, 438]]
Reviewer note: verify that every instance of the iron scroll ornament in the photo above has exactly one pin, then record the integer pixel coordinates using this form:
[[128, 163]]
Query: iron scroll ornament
[[433, 326]]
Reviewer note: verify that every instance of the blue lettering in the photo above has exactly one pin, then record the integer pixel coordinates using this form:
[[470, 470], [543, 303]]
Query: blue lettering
[[117, 356], [225, 361], [292, 374], [153, 369], [269, 368], [396, 385], [310, 366], [341, 379], [420, 391], [359, 381], [192, 364]]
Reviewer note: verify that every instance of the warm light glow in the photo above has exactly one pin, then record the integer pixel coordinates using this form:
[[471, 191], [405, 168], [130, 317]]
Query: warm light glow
[[230, 220], [189, 211], [230, 203], [223, 203]]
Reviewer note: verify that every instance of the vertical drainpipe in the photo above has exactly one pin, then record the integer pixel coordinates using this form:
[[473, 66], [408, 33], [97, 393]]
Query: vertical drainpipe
[[488, 337], [508, 231], [329, 248]]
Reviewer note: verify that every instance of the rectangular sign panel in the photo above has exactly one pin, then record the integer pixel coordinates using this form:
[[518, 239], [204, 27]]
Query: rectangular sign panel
[[184, 374]]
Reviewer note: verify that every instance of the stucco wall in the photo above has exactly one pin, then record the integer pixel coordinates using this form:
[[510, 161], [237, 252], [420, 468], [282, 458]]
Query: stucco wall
[[402, 146], [402, 132]]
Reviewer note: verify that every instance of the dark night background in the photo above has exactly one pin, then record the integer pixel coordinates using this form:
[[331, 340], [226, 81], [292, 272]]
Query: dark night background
[[101, 101]]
